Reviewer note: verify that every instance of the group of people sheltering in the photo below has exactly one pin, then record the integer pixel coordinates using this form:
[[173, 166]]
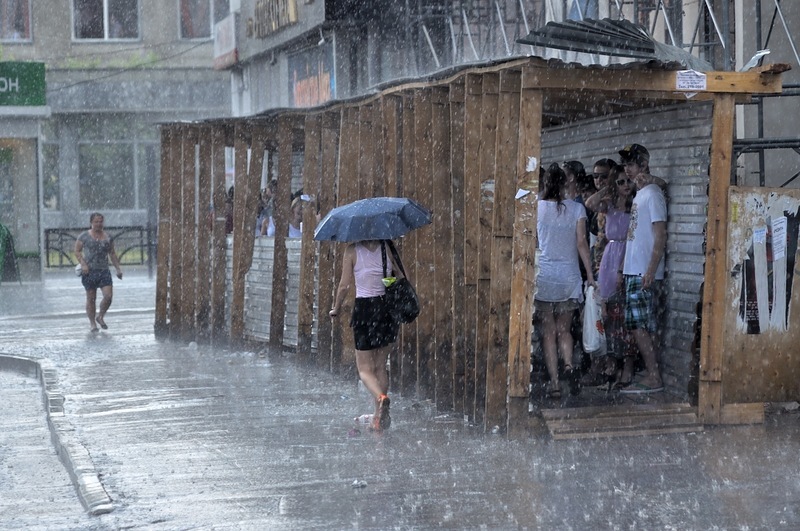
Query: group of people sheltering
[[607, 230]]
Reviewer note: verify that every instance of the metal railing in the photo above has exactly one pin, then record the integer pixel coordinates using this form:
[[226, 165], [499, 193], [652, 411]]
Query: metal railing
[[134, 246]]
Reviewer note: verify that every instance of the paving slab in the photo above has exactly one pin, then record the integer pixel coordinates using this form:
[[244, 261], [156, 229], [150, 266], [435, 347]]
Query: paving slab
[[185, 436]]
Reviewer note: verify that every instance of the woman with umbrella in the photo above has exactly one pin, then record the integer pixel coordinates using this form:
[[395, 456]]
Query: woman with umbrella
[[374, 329], [370, 224]]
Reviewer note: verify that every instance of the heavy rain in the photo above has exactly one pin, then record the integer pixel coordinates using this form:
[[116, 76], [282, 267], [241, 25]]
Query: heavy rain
[[492, 264]]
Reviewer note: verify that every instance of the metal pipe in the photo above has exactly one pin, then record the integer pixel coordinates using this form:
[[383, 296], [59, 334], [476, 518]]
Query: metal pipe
[[430, 45], [469, 35], [786, 29], [502, 27]]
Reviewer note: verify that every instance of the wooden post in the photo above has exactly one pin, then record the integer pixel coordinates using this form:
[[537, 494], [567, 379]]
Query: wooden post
[[366, 177], [241, 144], [502, 246], [164, 216], [281, 211], [442, 247], [391, 154], [487, 151], [219, 245], [189, 233], [473, 91], [712, 340], [523, 280], [426, 339], [458, 322], [175, 233], [349, 148], [327, 273], [408, 346], [311, 186], [203, 309]]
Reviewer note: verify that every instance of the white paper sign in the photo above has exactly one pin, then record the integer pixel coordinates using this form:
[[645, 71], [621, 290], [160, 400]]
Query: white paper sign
[[779, 238], [521, 193], [690, 80], [760, 235], [531, 164]]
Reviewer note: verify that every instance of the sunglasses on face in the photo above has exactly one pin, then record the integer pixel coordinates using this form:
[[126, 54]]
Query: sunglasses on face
[[620, 182], [600, 176]]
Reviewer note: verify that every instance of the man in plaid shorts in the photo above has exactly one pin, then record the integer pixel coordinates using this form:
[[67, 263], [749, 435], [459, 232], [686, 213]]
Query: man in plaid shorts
[[643, 268]]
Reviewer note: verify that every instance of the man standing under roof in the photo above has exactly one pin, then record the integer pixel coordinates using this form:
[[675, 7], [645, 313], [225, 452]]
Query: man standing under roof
[[643, 268]]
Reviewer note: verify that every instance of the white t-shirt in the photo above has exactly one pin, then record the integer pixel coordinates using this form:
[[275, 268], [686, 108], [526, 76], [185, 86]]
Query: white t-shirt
[[649, 206], [559, 276]]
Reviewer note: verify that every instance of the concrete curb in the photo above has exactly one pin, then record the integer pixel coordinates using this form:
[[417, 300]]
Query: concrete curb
[[73, 454]]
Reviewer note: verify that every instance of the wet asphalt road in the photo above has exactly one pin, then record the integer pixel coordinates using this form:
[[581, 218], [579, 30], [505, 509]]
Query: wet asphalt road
[[187, 437]]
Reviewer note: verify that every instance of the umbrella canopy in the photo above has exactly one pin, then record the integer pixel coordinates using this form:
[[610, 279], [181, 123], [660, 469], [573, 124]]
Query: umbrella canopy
[[376, 218]]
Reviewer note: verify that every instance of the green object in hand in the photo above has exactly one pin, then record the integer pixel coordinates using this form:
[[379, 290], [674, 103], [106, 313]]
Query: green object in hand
[[388, 281]]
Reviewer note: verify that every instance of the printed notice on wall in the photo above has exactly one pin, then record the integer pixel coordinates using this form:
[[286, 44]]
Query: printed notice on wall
[[779, 238], [690, 80]]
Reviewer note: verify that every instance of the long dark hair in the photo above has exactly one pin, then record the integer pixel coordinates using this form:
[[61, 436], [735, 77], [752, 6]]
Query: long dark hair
[[614, 173], [553, 182]]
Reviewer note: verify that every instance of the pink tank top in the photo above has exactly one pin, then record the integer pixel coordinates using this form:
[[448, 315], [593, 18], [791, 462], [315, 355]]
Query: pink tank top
[[368, 272]]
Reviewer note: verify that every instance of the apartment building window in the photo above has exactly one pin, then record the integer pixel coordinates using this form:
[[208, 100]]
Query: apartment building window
[[105, 19], [15, 20], [199, 16]]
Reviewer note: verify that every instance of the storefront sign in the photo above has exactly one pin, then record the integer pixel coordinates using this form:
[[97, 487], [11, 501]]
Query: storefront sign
[[22, 84], [272, 15], [311, 78]]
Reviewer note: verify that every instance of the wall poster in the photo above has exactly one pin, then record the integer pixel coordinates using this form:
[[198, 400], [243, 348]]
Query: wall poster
[[764, 242]]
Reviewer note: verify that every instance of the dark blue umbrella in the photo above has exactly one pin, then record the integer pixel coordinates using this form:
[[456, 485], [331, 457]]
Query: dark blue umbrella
[[376, 218]]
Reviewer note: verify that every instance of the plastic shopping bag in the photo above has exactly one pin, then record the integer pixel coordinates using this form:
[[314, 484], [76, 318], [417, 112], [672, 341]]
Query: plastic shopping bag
[[594, 335]]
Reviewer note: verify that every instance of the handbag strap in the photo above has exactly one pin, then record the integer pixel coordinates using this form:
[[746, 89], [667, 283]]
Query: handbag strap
[[395, 254]]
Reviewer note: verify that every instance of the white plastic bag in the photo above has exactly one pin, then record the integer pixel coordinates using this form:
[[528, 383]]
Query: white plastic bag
[[594, 335], [78, 269]]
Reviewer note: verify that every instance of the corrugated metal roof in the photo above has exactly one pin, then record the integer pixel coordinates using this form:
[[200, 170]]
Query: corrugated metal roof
[[619, 38]]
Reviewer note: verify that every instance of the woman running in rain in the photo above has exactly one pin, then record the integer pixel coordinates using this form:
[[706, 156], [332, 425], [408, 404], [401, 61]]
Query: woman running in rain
[[373, 328], [93, 248]]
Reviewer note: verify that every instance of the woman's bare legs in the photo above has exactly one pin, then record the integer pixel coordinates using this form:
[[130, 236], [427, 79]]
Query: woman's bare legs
[[371, 365]]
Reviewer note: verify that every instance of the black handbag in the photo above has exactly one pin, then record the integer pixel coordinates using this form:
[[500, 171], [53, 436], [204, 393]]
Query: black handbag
[[401, 297]]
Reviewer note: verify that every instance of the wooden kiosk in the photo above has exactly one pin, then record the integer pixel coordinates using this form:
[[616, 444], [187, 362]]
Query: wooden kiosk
[[459, 144]]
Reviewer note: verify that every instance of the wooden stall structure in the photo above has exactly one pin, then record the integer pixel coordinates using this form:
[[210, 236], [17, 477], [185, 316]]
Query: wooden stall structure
[[462, 145]]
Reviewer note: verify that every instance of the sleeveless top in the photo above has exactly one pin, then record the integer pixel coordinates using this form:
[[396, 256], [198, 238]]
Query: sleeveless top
[[368, 272], [95, 251]]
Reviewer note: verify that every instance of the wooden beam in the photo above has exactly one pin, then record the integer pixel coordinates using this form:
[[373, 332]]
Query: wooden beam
[[523, 279], [164, 212], [647, 80], [327, 273], [442, 207], [241, 144], [311, 184], [175, 234], [281, 214], [408, 188], [487, 150], [502, 245], [712, 342], [205, 217], [390, 151], [473, 92], [219, 245], [426, 252], [189, 228], [344, 354], [458, 321]]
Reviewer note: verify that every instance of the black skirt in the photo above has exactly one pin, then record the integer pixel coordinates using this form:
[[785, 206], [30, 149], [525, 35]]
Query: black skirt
[[372, 325]]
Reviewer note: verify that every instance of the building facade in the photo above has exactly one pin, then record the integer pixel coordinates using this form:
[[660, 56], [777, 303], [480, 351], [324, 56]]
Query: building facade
[[115, 70]]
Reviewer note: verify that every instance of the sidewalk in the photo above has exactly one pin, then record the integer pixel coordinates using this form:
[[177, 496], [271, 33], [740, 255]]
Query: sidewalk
[[184, 436]]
